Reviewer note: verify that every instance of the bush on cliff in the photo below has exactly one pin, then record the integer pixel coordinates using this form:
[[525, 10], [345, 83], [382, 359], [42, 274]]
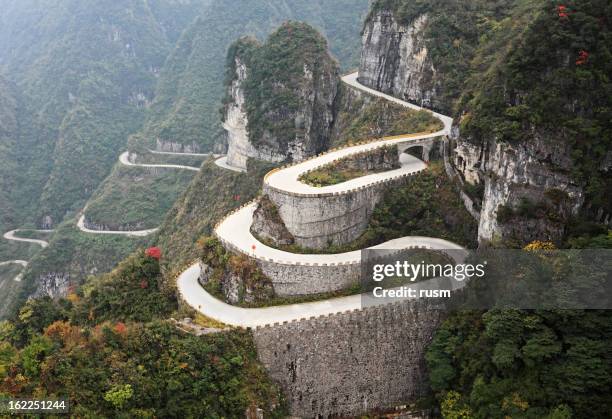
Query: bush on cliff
[[132, 292]]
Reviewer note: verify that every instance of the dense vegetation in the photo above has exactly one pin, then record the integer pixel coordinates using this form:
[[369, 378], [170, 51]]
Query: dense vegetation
[[554, 364], [136, 196], [533, 73], [75, 254], [213, 194], [9, 131], [559, 91], [9, 288], [109, 350], [87, 71], [427, 206]]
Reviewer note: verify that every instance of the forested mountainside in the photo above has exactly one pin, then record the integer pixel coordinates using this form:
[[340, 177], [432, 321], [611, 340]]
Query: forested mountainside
[[113, 351], [87, 71], [185, 112], [82, 74], [9, 132], [529, 86]]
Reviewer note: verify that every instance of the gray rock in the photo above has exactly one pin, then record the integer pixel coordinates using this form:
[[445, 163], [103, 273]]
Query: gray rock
[[395, 59], [268, 225], [313, 120]]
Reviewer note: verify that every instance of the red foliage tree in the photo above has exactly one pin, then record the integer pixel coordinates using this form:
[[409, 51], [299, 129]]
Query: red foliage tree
[[154, 252], [583, 57], [121, 328]]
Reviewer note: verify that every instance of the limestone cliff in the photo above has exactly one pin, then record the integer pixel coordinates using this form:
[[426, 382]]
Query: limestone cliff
[[528, 191], [530, 139], [280, 102], [395, 59], [268, 225]]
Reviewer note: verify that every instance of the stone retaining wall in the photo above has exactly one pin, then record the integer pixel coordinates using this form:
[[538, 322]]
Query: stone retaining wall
[[348, 364], [291, 279], [319, 220]]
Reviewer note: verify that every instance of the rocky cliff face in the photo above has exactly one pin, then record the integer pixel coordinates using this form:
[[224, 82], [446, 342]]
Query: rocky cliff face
[[528, 191], [53, 285], [176, 147], [235, 287], [516, 137], [280, 101], [268, 225], [236, 121], [395, 59]]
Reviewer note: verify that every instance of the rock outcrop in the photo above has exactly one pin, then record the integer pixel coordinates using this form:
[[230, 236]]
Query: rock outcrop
[[395, 59], [237, 282], [531, 168], [280, 106], [268, 225], [236, 121], [176, 147], [140, 225], [529, 193], [53, 285]]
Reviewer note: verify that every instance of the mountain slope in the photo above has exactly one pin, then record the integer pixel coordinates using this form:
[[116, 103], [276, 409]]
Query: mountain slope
[[9, 131], [87, 71], [185, 110]]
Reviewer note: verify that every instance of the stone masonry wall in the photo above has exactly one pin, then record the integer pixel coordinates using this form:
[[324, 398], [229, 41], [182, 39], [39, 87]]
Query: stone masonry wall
[[290, 280], [349, 364], [304, 279], [318, 220]]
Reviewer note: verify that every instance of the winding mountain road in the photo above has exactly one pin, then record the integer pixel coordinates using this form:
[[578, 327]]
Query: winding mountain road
[[222, 162], [124, 159], [234, 232], [11, 236], [137, 233]]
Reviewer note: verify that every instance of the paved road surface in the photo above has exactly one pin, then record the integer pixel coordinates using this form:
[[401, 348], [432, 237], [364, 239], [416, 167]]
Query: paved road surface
[[124, 159], [222, 162], [11, 236], [139, 233], [235, 230]]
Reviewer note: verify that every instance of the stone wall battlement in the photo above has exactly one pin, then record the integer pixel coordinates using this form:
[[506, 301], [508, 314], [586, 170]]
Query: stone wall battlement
[[347, 364]]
